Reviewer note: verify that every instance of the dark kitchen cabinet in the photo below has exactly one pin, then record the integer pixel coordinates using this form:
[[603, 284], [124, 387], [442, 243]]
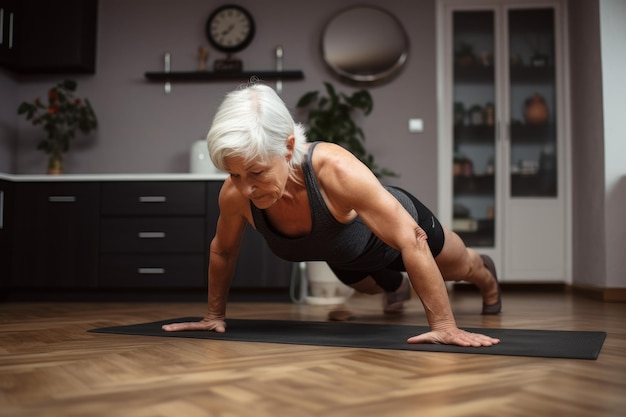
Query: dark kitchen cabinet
[[6, 232], [48, 37], [155, 234], [258, 267], [118, 238], [8, 52], [56, 235]]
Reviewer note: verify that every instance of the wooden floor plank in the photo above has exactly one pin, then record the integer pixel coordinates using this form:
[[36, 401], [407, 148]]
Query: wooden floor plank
[[50, 365]]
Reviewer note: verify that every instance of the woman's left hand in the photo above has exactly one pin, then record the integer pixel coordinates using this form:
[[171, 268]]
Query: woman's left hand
[[455, 336]]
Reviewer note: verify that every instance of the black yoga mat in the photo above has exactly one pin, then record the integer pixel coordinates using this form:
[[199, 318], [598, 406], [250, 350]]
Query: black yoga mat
[[537, 343]]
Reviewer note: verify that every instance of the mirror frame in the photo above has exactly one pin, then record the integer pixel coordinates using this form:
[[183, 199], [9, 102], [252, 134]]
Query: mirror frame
[[357, 77]]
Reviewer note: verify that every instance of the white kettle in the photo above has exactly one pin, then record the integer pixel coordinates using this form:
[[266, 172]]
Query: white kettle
[[199, 160]]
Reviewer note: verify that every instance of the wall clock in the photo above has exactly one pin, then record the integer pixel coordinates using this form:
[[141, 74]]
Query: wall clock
[[230, 28]]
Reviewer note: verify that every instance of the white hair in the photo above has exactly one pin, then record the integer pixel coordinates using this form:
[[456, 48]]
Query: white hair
[[254, 123]]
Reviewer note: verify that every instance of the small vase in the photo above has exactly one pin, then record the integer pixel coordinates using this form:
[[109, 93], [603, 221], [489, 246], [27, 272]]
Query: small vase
[[55, 165], [536, 112]]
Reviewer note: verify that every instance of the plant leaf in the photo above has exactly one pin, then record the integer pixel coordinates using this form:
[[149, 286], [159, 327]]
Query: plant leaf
[[307, 99]]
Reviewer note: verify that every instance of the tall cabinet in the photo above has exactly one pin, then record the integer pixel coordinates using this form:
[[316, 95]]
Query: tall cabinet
[[503, 133]]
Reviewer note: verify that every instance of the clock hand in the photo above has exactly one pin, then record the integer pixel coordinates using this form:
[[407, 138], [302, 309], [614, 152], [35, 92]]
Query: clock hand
[[227, 30]]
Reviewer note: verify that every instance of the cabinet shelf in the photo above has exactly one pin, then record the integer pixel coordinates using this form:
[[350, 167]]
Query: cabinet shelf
[[519, 132], [483, 236], [519, 74], [207, 76], [527, 74], [533, 133], [534, 185], [474, 133], [474, 185]]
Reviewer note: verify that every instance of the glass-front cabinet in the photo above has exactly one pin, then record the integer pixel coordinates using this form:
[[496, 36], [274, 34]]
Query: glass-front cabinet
[[474, 133], [502, 136]]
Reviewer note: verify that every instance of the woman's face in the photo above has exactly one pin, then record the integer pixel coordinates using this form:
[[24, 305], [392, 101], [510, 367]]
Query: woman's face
[[263, 182]]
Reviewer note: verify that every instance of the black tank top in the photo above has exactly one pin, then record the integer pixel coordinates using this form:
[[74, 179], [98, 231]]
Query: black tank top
[[346, 246]]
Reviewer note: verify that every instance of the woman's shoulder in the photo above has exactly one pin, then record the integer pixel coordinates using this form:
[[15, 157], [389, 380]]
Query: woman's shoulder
[[333, 161], [331, 155], [231, 201]]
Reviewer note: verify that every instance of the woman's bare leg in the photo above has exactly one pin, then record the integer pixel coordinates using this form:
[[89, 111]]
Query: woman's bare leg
[[460, 263]]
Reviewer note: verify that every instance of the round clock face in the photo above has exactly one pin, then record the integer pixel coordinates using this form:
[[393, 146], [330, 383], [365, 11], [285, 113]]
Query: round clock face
[[230, 28]]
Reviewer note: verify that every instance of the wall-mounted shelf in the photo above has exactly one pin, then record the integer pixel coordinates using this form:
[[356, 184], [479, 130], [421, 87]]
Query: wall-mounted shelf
[[208, 76]]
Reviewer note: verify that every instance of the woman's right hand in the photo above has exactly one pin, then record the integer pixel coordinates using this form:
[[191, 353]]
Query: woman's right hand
[[207, 323]]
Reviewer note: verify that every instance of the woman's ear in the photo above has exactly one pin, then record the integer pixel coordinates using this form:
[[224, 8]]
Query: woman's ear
[[291, 143]]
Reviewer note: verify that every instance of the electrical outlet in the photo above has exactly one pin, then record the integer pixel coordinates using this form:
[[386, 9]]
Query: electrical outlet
[[416, 125]]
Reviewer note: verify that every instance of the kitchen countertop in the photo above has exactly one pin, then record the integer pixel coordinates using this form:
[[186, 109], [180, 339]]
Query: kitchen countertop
[[115, 177]]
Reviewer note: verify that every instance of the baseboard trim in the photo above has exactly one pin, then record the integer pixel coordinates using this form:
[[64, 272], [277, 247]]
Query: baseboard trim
[[610, 295], [517, 287]]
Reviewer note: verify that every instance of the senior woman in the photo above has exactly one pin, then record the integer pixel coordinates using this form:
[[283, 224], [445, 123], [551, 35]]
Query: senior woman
[[317, 201]]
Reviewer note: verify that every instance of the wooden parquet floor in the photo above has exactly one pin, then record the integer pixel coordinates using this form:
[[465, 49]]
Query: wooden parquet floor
[[50, 365]]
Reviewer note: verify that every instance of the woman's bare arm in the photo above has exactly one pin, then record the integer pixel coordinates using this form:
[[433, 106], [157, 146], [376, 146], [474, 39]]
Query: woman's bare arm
[[351, 189], [223, 254]]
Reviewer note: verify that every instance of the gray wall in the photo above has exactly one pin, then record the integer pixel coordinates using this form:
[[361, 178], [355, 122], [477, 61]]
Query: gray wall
[[587, 143], [142, 130], [613, 34], [598, 62]]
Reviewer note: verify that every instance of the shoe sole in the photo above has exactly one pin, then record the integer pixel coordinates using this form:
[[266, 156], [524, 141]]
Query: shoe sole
[[496, 308]]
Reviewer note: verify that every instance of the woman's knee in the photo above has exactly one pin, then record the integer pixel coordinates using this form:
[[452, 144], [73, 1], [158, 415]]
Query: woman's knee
[[455, 260]]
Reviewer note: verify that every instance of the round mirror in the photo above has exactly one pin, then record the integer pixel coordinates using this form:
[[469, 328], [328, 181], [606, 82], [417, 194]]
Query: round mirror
[[365, 44]]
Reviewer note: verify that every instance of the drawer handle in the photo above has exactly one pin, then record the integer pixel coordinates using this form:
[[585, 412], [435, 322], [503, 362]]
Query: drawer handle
[[152, 199], [151, 235], [1, 209], [62, 199], [1, 26], [10, 30], [151, 271]]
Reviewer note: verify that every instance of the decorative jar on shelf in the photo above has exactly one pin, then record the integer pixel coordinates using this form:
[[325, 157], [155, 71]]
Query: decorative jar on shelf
[[536, 110]]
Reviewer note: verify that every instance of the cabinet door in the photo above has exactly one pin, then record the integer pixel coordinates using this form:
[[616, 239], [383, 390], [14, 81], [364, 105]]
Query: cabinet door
[[474, 133], [533, 106], [56, 235], [43, 36], [151, 271], [153, 235], [258, 267], [7, 33], [7, 219], [153, 198], [534, 206]]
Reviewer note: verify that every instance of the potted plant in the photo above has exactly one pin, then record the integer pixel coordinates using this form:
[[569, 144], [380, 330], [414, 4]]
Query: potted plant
[[61, 117], [330, 118]]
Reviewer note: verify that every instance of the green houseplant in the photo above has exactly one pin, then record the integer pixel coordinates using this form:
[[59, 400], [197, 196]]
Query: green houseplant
[[61, 117], [330, 118]]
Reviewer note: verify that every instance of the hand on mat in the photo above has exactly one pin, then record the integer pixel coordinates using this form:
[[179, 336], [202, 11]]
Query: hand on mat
[[454, 336], [209, 324]]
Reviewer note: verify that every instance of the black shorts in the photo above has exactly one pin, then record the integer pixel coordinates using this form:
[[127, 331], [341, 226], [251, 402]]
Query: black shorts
[[429, 222]]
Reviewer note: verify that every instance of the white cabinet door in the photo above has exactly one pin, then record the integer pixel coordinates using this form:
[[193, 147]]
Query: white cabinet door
[[503, 153]]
